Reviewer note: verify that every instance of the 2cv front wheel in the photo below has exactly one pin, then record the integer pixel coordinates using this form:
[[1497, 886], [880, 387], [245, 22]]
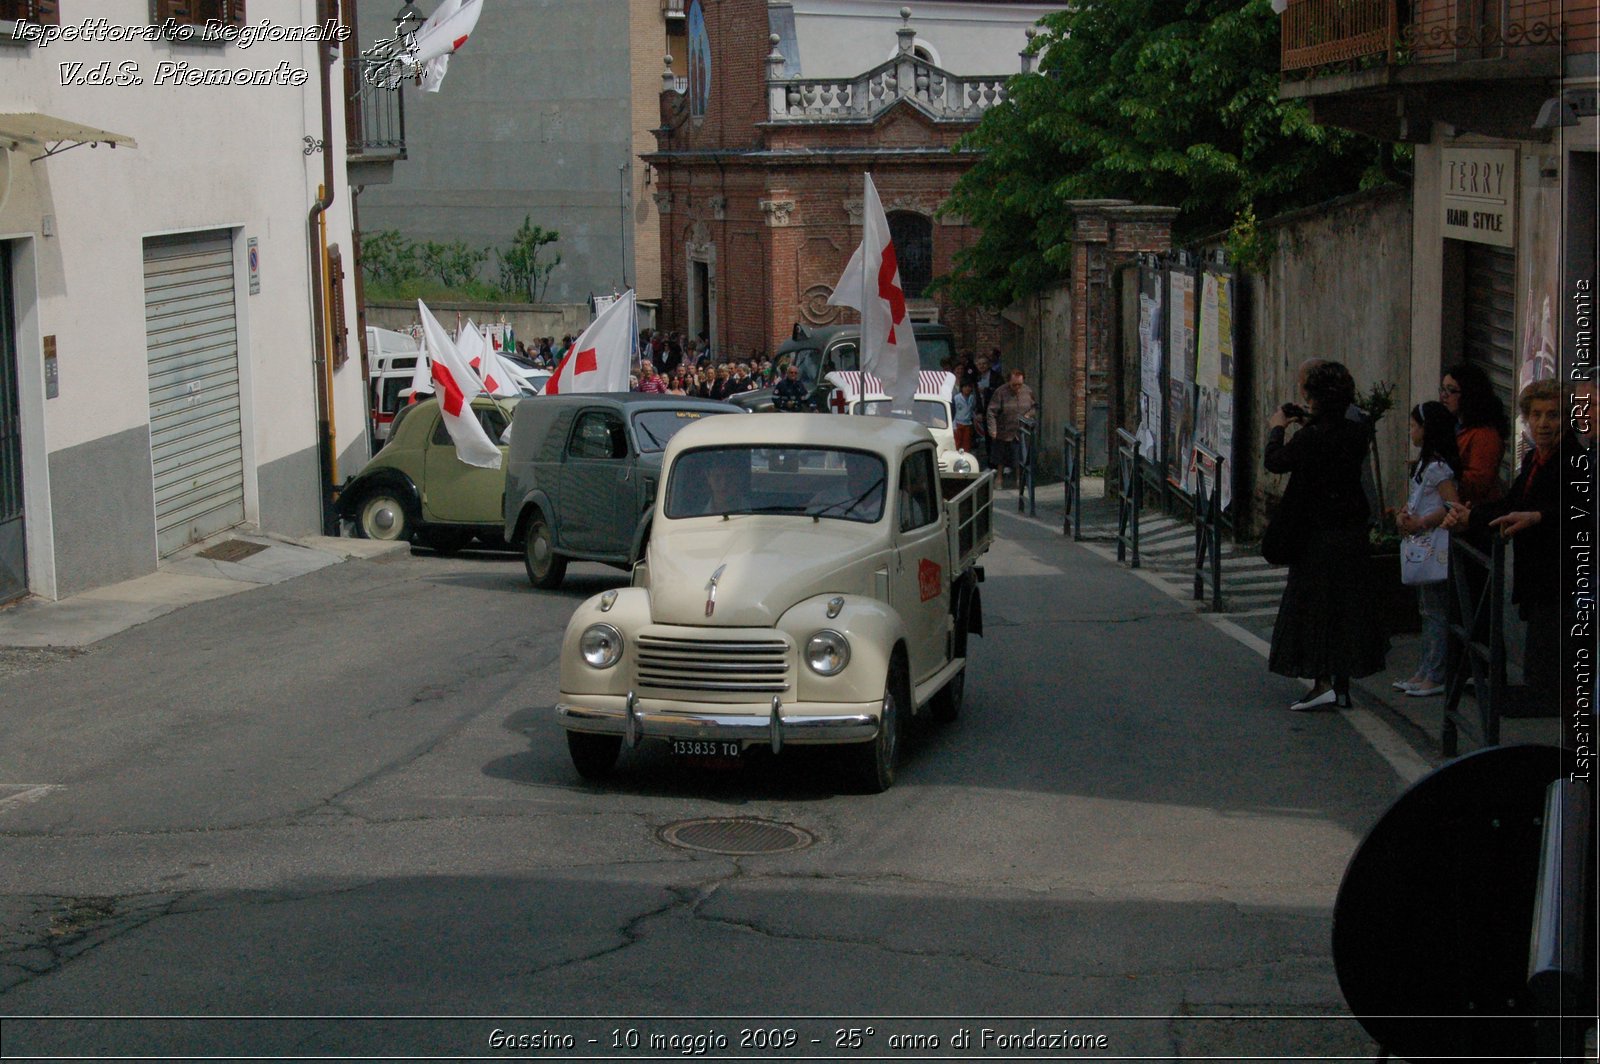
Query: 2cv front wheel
[[546, 568]]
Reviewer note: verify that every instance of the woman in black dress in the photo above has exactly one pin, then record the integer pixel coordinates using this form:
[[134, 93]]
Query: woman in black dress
[[1325, 630]]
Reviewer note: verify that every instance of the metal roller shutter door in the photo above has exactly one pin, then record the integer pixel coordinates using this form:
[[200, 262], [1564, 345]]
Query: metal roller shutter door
[[1489, 326], [1488, 337], [13, 541], [193, 343]]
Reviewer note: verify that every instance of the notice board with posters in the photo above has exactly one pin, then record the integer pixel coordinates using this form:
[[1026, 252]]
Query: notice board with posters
[[1152, 350], [1214, 375], [1182, 312]]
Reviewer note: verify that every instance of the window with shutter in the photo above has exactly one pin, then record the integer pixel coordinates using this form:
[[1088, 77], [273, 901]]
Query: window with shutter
[[43, 12], [341, 334], [198, 12]]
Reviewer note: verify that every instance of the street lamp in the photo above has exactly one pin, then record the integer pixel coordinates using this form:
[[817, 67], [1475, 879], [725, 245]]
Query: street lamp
[[622, 210]]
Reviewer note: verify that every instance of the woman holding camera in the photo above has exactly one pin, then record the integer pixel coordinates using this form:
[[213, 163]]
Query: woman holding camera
[[1324, 631]]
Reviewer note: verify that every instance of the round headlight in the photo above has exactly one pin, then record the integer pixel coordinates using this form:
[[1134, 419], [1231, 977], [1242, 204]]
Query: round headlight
[[961, 465], [601, 646], [827, 653]]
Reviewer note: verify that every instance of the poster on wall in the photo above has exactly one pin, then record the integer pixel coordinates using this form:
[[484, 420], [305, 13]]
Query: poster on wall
[[699, 62], [1180, 385], [1213, 423], [1151, 349], [1541, 309]]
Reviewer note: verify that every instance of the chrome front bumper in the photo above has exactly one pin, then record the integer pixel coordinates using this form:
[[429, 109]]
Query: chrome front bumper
[[773, 724]]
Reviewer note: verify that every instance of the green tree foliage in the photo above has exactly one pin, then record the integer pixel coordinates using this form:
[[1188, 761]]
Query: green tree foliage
[[388, 258], [454, 265], [522, 275], [1161, 102]]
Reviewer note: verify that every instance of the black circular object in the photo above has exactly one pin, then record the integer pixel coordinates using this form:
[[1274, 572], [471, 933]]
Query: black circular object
[[1432, 923]]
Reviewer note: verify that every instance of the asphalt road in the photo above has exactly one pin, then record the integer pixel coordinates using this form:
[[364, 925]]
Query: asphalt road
[[345, 796]]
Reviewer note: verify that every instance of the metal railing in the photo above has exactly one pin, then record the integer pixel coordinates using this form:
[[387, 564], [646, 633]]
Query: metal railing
[[1072, 473], [1477, 583], [1317, 33], [1130, 489], [1208, 525], [1027, 465], [375, 121]]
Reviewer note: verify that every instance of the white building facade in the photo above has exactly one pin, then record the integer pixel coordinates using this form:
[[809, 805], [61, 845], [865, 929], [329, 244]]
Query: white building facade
[[167, 370]]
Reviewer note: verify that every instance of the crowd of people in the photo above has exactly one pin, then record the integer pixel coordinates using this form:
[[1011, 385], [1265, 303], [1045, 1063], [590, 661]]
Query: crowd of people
[[990, 406], [1324, 630]]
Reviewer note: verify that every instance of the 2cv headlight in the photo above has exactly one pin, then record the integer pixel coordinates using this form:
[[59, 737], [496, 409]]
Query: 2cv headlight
[[827, 653], [601, 646]]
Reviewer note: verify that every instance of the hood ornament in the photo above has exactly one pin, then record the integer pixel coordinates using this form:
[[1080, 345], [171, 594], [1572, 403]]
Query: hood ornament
[[711, 590]]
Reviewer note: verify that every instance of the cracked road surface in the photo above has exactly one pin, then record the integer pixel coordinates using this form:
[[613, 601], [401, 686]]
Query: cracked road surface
[[345, 795]]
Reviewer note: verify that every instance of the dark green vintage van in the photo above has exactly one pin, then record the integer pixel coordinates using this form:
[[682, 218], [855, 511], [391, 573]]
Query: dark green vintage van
[[838, 347]]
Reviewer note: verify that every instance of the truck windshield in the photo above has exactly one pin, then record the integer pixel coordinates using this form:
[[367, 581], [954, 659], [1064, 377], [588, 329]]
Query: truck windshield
[[934, 351], [653, 428], [804, 481], [807, 360], [929, 412]]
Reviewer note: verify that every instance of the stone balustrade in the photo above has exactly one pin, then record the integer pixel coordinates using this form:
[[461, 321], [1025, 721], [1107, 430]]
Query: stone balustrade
[[940, 93]]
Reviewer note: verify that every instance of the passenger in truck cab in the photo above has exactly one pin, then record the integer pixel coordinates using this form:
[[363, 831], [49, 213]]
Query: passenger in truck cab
[[915, 494], [728, 478]]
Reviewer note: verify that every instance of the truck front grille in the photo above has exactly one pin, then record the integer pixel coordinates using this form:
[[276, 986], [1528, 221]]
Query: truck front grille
[[682, 664]]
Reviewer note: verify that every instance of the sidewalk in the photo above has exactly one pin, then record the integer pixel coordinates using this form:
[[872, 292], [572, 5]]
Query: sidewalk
[[1250, 591], [227, 564]]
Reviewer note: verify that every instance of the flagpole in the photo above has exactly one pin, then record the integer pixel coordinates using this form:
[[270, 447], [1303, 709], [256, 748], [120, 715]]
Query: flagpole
[[866, 267]]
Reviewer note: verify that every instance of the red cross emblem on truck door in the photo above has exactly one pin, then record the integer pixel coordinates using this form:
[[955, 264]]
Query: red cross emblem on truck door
[[837, 401], [928, 582]]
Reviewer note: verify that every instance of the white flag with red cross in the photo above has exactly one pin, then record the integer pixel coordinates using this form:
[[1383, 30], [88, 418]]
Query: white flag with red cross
[[441, 36], [501, 378], [480, 355], [598, 361], [456, 385], [871, 285]]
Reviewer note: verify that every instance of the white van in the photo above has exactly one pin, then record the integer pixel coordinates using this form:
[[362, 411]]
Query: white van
[[392, 362]]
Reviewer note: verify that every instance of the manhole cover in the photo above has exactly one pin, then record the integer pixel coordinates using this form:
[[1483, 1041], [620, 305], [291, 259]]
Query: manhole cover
[[232, 550], [736, 835]]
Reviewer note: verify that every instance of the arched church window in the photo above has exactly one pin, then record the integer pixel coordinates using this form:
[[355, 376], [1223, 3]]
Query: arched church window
[[912, 234]]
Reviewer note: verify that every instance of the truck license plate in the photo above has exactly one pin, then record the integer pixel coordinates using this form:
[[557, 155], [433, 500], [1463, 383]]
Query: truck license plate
[[700, 748]]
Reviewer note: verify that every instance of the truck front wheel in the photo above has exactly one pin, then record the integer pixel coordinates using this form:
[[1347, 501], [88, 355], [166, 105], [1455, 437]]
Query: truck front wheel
[[594, 756], [870, 766]]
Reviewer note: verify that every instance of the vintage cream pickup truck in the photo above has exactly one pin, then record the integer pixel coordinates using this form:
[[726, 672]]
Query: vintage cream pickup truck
[[810, 580]]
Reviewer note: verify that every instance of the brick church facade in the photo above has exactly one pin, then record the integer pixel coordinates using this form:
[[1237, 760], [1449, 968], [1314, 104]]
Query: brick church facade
[[758, 173]]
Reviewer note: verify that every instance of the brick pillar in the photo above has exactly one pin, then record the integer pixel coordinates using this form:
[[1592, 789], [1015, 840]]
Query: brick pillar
[[1106, 234]]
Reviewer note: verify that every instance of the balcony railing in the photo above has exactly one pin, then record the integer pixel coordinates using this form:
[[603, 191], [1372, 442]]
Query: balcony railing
[[374, 119], [1322, 33]]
